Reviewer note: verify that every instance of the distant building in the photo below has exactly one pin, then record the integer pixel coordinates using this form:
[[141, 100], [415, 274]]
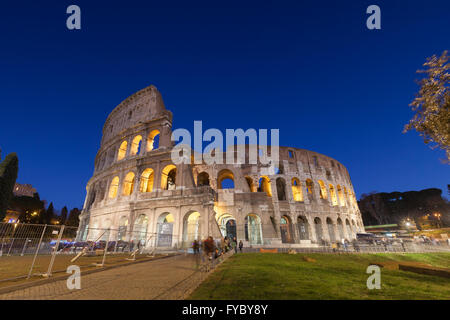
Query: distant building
[[23, 190]]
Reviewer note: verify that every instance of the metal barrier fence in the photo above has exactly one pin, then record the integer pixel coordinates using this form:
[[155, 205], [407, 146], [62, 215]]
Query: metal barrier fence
[[30, 250]]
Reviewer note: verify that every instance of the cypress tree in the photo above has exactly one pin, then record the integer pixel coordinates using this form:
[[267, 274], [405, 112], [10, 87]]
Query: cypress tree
[[8, 175]]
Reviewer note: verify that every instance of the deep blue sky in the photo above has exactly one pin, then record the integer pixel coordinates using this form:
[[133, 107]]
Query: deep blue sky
[[310, 68]]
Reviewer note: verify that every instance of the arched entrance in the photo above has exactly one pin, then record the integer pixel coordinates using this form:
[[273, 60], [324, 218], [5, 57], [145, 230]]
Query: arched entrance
[[348, 229], [286, 230], [340, 228], [227, 225], [191, 228], [140, 229], [165, 230], [253, 232], [331, 230], [318, 229], [303, 227]]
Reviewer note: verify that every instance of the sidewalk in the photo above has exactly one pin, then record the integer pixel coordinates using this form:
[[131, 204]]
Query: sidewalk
[[143, 281]]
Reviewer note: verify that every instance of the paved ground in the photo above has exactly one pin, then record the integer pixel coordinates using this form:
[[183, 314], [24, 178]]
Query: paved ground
[[166, 278]]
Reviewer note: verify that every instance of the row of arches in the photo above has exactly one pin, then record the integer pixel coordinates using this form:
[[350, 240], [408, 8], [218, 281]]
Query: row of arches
[[339, 196], [146, 182], [135, 148], [129, 148], [345, 230]]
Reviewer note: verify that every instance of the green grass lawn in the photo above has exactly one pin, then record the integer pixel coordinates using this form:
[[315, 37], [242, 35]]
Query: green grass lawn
[[258, 276]]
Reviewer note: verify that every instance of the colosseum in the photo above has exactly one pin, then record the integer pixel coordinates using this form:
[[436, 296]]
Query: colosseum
[[139, 194]]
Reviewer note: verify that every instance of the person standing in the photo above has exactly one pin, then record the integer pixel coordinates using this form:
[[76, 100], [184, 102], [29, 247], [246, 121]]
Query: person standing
[[241, 244], [234, 244]]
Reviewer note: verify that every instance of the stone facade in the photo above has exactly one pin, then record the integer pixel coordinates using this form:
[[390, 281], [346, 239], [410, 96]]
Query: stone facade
[[137, 189]]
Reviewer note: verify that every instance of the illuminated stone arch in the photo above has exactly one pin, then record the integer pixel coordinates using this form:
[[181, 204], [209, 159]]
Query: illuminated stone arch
[[164, 229], [227, 225], [341, 195], [153, 140], [128, 184], [309, 187], [122, 152], [136, 145], [147, 179], [113, 187], [168, 177], [297, 192], [227, 176], [191, 228], [333, 196], [203, 179], [264, 185], [323, 190], [253, 229], [345, 195], [281, 189]]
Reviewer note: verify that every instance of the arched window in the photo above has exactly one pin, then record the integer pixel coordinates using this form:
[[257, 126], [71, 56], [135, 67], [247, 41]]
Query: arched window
[[147, 179], [136, 146], [302, 224], [203, 179], [323, 190], [122, 151], [168, 177], [309, 187], [281, 189], [331, 230], [341, 195], [253, 232], [225, 179], [345, 195], [128, 184], [264, 186], [334, 201], [153, 140], [297, 190], [113, 187]]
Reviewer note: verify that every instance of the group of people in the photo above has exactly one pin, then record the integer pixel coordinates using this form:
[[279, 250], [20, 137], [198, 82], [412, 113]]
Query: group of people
[[214, 249]]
